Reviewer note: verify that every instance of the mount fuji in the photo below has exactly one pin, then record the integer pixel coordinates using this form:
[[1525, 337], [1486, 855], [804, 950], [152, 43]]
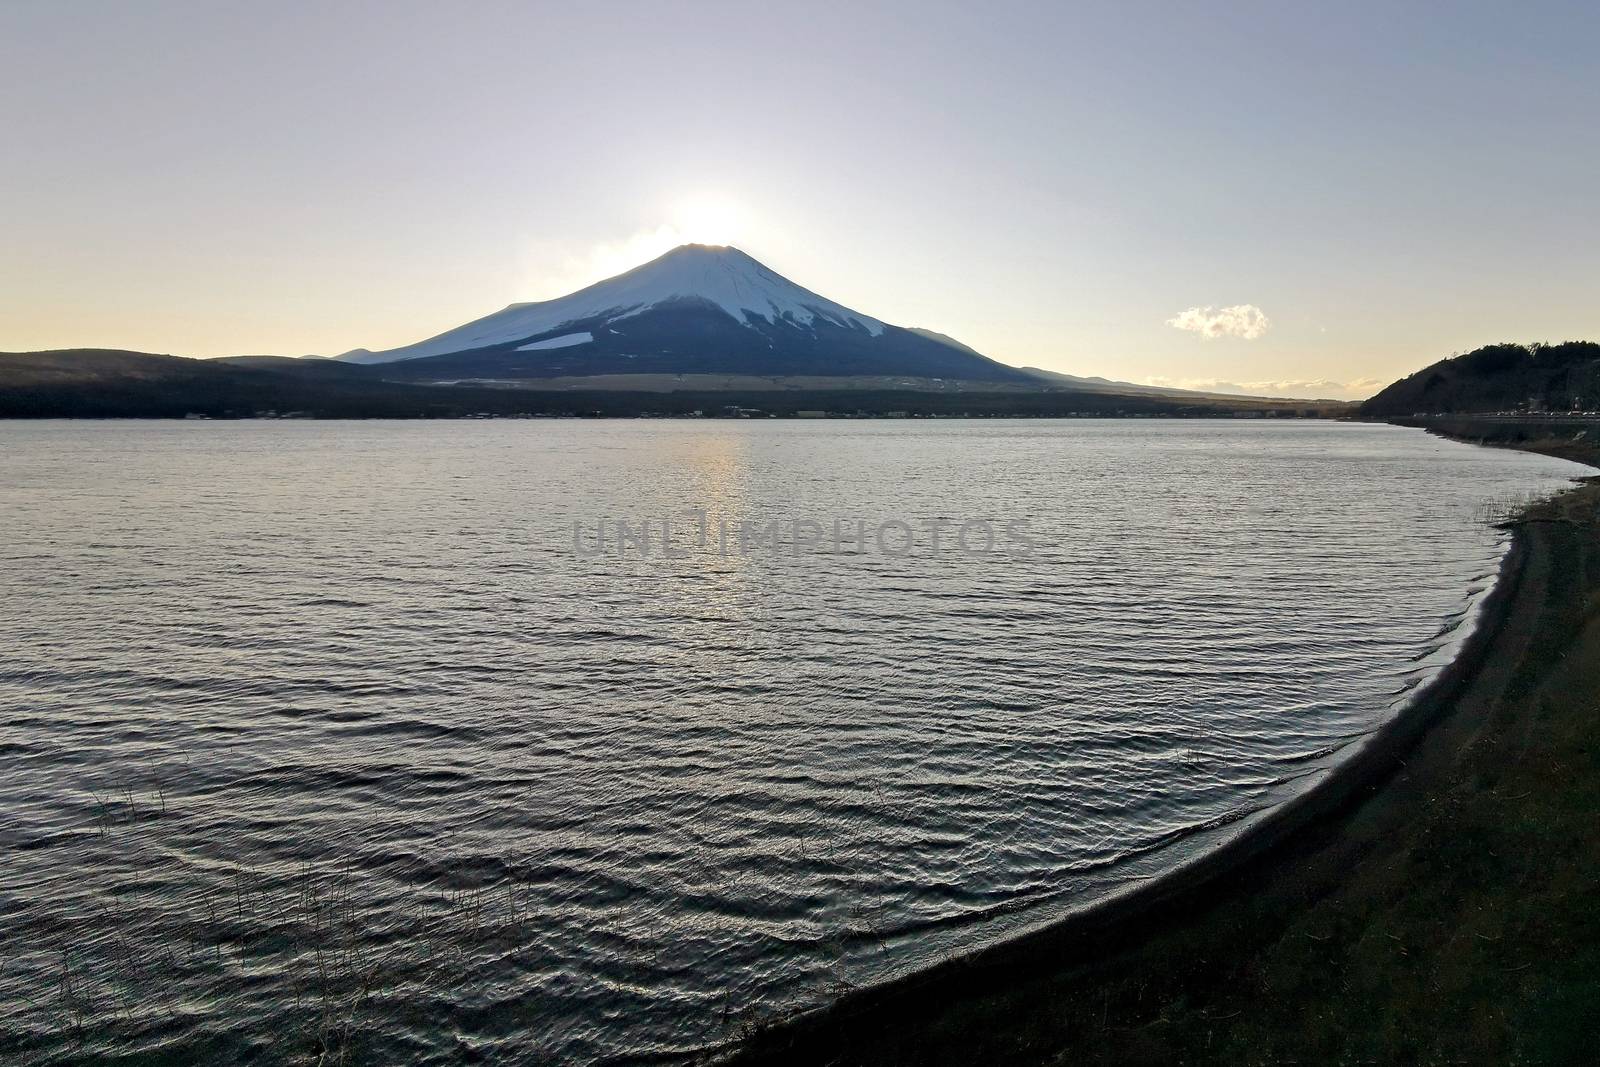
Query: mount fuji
[[697, 310]]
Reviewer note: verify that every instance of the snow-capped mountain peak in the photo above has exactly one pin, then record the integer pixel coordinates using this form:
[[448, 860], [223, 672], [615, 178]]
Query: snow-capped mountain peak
[[718, 275]]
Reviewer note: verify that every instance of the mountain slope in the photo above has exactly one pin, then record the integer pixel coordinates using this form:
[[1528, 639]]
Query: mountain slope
[[695, 310]]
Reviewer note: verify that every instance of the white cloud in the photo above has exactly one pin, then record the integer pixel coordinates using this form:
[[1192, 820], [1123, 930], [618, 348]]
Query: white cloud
[[1241, 320], [1296, 388]]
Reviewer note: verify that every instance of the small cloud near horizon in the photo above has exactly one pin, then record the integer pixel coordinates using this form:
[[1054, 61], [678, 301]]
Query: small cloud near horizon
[[1297, 389], [1245, 321]]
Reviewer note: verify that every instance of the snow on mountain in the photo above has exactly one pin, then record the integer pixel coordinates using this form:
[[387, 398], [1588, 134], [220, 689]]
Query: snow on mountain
[[566, 340], [721, 276]]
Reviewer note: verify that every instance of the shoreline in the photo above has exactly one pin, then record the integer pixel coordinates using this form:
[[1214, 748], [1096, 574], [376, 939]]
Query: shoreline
[[969, 1007]]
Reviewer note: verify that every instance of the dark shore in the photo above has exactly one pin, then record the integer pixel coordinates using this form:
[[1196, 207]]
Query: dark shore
[[1437, 900]]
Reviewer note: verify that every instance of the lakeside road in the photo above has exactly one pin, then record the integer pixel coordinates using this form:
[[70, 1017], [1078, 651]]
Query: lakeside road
[[1447, 910]]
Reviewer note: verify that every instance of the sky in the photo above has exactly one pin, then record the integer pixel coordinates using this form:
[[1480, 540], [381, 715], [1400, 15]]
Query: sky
[[1299, 199]]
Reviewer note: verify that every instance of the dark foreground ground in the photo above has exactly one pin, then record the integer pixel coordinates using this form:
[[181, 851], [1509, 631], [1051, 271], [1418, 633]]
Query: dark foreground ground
[[1449, 912]]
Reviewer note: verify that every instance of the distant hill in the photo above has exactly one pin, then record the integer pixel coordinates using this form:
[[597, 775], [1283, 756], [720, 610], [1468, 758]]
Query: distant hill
[[1495, 378], [109, 383], [312, 367]]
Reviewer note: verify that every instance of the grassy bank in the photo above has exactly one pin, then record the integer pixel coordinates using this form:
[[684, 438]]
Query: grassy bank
[[1448, 912]]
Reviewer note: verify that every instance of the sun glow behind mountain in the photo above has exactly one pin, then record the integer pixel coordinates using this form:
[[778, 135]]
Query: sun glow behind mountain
[[705, 218], [710, 219]]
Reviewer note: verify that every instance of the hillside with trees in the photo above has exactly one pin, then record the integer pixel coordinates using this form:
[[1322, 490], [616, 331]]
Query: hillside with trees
[[1499, 378]]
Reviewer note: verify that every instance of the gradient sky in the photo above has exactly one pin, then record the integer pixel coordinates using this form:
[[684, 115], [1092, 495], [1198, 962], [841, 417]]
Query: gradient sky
[[1051, 183]]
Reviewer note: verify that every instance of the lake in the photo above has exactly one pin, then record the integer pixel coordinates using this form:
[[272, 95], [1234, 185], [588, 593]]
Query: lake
[[579, 740]]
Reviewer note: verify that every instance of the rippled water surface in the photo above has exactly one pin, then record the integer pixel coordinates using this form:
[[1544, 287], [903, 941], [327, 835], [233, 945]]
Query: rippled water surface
[[322, 736]]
